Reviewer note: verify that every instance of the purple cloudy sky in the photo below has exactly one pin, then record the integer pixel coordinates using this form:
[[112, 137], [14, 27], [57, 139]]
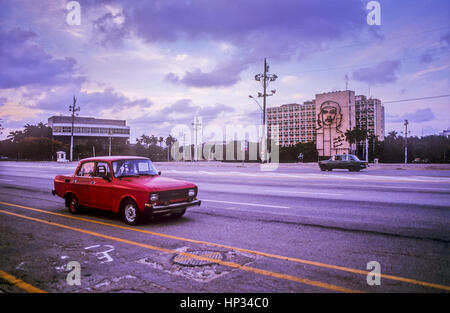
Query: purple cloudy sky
[[158, 63]]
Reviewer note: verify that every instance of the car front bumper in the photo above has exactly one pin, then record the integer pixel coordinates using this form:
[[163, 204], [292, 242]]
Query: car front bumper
[[151, 209]]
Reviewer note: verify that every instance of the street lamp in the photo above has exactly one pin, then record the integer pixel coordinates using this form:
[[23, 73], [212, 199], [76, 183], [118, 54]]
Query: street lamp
[[73, 109]]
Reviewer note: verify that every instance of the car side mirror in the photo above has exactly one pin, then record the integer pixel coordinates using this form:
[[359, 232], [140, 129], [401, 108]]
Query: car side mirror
[[159, 173]]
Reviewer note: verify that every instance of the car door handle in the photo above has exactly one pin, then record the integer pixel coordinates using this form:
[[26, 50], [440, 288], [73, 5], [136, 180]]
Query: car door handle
[[92, 182]]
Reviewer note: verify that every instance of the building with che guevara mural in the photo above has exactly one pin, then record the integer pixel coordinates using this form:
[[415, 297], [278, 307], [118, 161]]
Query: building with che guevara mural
[[325, 119]]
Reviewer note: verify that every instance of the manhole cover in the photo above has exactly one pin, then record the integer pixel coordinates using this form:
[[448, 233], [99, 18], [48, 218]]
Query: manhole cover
[[190, 261]]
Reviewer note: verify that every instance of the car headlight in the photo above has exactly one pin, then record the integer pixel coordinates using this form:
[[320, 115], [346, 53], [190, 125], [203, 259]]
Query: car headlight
[[191, 192], [153, 197]]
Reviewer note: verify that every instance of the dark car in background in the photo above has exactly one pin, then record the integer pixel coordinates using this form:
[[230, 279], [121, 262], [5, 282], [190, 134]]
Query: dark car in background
[[343, 161]]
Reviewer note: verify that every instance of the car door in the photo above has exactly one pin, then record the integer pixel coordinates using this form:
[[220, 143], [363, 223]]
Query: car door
[[100, 188], [336, 161], [82, 182], [345, 162]]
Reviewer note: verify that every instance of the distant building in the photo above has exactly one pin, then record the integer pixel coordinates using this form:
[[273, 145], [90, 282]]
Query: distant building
[[370, 114], [296, 122], [445, 132], [336, 114], [325, 120], [89, 128]]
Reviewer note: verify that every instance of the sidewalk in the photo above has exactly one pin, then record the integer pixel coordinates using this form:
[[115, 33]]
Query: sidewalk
[[391, 166]]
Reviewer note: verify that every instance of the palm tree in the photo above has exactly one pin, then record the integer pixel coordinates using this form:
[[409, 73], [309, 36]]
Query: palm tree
[[161, 139], [169, 142], [153, 140], [16, 136], [356, 135], [392, 135]]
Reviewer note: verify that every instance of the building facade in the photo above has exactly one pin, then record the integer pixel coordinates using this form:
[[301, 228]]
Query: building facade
[[445, 133], [89, 128], [335, 113], [370, 115], [296, 123], [325, 120]]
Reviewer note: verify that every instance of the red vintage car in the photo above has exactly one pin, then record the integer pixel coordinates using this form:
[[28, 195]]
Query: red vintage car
[[128, 185]]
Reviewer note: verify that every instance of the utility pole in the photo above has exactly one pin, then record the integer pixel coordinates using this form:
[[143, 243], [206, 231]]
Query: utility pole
[[73, 109], [265, 78], [109, 132], [197, 126], [406, 141], [367, 131]]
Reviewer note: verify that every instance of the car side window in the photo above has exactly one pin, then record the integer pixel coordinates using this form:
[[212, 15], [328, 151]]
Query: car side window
[[86, 170], [96, 174]]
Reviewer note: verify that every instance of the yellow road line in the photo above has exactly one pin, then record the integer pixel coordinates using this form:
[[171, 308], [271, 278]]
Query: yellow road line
[[198, 257], [20, 283], [265, 254]]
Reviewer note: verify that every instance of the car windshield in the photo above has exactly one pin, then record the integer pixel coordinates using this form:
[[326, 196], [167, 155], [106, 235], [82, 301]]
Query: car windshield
[[354, 157], [139, 167]]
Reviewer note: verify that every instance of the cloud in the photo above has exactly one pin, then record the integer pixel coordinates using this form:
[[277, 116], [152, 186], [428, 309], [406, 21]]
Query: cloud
[[429, 55], [110, 28], [426, 58], [183, 111], [419, 116], [380, 74], [226, 73], [445, 39], [278, 30], [23, 62], [91, 103]]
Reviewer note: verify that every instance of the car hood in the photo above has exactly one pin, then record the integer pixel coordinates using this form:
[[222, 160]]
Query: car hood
[[158, 183]]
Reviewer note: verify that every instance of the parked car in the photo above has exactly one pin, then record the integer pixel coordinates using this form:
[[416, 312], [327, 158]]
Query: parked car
[[130, 186], [343, 161]]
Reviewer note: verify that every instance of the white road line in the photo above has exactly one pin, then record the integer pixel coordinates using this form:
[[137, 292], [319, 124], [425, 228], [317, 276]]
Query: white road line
[[306, 192], [5, 179], [251, 211], [322, 176], [249, 204]]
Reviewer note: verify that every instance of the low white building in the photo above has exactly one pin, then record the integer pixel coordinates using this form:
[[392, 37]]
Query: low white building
[[61, 156]]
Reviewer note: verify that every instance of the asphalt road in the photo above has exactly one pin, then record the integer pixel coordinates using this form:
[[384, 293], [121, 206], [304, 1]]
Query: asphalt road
[[295, 229]]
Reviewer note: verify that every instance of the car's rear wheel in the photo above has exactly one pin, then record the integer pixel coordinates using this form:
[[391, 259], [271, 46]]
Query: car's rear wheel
[[130, 212], [72, 204], [178, 214]]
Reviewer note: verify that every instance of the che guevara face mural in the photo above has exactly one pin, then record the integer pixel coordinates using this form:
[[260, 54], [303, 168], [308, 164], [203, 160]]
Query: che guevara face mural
[[330, 116]]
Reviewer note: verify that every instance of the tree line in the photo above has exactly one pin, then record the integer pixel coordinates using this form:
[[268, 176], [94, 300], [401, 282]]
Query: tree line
[[35, 142]]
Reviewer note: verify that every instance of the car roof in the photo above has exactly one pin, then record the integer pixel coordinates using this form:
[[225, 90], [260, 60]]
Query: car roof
[[114, 158]]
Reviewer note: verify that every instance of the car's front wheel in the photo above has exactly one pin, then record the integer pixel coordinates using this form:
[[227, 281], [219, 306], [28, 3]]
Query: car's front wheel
[[130, 213], [323, 168]]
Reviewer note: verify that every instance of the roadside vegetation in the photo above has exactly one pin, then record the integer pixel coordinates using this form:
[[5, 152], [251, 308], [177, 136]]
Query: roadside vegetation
[[35, 142]]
